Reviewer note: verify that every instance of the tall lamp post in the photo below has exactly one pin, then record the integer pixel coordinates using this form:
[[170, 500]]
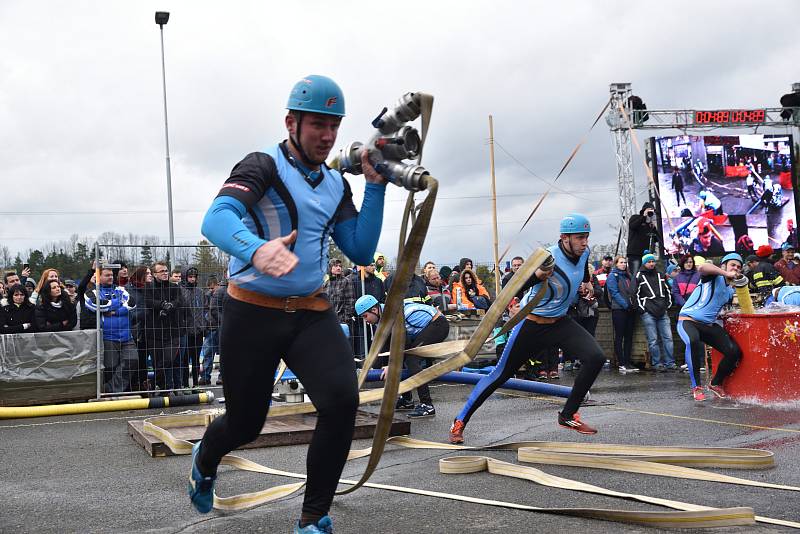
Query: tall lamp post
[[162, 17]]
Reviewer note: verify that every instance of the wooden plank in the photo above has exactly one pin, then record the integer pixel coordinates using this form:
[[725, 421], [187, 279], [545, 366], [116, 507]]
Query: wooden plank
[[277, 431]]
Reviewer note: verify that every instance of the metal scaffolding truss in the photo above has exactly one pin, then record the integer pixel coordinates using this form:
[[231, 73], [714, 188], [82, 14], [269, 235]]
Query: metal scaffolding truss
[[682, 119]]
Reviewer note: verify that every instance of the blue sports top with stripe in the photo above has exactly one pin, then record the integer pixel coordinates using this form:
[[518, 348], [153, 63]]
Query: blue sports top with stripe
[[707, 299], [417, 317], [268, 195], [562, 287]]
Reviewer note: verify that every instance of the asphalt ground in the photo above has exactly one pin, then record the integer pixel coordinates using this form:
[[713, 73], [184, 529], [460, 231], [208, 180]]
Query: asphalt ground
[[85, 474]]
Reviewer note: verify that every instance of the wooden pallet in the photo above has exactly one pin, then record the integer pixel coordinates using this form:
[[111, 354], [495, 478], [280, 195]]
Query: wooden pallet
[[277, 431]]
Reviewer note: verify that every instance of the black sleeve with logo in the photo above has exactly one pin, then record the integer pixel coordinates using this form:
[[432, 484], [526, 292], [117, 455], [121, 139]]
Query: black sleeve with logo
[[250, 179]]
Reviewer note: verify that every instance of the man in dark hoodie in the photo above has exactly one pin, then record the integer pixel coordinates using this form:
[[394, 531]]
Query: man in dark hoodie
[[653, 299], [162, 324], [194, 323], [642, 235]]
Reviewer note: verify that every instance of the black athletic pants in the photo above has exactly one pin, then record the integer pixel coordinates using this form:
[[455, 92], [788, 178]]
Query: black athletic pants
[[589, 324], [253, 340], [435, 332], [528, 338], [624, 322], [696, 336]]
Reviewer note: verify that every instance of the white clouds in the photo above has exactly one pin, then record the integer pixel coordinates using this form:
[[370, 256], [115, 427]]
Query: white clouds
[[80, 98]]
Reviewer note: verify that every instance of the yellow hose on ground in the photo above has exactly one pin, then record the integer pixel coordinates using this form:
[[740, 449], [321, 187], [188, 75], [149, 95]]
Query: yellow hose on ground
[[15, 412]]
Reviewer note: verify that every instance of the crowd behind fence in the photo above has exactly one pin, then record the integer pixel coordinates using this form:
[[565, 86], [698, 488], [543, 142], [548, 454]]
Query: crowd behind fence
[[159, 327]]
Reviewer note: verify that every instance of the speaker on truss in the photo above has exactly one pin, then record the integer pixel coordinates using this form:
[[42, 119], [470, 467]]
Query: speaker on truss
[[639, 108], [789, 100]]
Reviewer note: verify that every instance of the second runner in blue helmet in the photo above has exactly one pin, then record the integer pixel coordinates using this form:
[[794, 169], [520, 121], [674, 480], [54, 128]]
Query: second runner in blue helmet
[[365, 303], [316, 108]]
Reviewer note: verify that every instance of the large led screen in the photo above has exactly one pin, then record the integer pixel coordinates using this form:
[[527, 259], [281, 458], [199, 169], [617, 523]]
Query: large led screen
[[724, 193]]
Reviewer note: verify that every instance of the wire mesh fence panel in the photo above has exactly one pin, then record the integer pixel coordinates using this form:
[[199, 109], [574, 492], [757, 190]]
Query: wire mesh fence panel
[[159, 324]]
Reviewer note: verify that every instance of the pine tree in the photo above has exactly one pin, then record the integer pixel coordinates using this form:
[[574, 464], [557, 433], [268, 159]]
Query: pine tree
[[147, 255]]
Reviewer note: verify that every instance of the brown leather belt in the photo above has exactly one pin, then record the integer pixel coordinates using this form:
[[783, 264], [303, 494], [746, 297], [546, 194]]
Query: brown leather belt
[[287, 304], [538, 319]]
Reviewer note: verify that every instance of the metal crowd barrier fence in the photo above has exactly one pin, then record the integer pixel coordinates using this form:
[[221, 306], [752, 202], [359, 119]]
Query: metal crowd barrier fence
[[158, 317]]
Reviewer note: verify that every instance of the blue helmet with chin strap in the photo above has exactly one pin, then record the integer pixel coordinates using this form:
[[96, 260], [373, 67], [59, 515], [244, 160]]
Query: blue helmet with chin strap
[[365, 303], [317, 94], [575, 223]]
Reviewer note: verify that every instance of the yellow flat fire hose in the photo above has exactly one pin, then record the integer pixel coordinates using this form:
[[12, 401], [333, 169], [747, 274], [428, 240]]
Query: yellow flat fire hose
[[655, 460]]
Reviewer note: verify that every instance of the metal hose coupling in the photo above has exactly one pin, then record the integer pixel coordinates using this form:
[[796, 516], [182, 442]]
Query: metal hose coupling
[[548, 264], [740, 281], [394, 142]]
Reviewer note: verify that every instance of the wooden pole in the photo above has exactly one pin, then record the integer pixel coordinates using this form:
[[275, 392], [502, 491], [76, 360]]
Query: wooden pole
[[494, 209]]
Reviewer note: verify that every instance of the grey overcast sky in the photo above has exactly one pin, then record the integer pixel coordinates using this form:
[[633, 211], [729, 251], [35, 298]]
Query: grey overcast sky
[[81, 118]]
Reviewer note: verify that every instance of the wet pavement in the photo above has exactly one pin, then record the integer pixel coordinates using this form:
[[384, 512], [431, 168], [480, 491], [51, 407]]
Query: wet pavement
[[85, 474]]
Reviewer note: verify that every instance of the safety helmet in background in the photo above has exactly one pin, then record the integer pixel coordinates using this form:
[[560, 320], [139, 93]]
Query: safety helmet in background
[[732, 256], [365, 303], [702, 194], [575, 223]]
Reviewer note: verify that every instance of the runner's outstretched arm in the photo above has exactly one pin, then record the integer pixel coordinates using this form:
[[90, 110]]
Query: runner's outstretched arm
[[357, 233]]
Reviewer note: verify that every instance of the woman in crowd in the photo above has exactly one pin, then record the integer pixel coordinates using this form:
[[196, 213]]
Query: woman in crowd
[[55, 312], [17, 316], [686, 280], [469, 293], [47, 275], [135, 287], [623, 313]]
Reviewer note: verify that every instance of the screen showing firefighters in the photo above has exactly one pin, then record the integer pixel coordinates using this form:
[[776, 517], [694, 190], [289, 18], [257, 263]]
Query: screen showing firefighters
[[724, 193]]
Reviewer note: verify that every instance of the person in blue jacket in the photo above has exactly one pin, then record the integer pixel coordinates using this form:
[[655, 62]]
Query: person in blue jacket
[[548, 325], [623, 314], [274, 215], [120, 356]]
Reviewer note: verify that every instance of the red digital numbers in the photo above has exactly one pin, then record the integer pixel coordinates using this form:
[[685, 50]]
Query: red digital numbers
[[733, 116]]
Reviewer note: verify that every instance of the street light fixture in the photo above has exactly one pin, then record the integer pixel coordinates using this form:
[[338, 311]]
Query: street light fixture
[[162, 17]]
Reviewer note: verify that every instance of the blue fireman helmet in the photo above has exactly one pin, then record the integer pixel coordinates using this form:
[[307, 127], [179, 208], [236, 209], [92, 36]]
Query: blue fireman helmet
[[575, 223], [702, 194], [731, 256], [365, 303], [317, 94]]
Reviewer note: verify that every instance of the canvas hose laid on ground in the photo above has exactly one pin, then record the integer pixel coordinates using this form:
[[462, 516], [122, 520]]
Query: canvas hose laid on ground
[[657, 461]]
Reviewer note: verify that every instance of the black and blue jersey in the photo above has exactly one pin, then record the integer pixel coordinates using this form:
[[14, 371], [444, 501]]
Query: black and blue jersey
[[268, 195]]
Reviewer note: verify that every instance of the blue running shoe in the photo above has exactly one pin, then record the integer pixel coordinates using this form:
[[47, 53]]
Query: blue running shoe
[[201, 489], [324, 525]]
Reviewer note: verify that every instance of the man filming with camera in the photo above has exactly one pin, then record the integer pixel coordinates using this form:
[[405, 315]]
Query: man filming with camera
[[642, 235]]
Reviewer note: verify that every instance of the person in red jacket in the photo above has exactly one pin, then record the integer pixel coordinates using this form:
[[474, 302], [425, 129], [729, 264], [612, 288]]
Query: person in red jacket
[[604, 270]]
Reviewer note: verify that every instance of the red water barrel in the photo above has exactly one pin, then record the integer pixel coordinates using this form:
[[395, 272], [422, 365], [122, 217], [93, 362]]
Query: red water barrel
[[770, 367]]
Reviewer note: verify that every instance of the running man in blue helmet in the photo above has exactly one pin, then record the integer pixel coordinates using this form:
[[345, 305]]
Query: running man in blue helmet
[[548, 325], [697, 324], [274, 216]]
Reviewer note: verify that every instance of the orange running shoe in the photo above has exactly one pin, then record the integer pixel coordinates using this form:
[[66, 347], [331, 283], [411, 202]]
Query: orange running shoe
[[457, 432], [575, 423], [698, 394]]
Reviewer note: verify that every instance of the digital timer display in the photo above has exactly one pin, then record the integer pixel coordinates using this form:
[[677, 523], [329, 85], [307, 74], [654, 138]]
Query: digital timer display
[[729, 116]]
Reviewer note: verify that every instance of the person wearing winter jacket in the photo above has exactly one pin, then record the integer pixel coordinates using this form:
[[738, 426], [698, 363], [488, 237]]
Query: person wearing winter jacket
[[55, 312], [162, 324], [119, 350], [340, 291], [642, 235], [211, 342], [686, 280], [653, 298], [194, 323], [469, 293], [17, 317], [585, 312], [623, 315]]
